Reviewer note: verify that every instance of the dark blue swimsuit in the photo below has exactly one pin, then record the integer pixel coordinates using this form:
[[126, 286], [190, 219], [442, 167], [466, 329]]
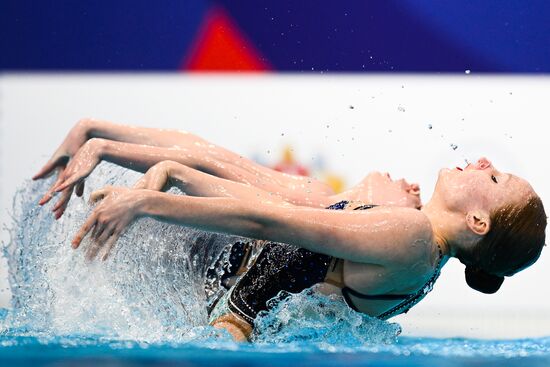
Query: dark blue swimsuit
[[282, 267]]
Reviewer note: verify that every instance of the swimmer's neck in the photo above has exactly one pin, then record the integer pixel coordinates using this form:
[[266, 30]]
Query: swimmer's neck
[[449, 228]]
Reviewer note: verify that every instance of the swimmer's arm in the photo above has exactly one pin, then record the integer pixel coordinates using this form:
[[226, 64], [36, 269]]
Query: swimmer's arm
[[196, 183], [138, 157], [382, 236], [203, 174], [139, 135], [199, 147]]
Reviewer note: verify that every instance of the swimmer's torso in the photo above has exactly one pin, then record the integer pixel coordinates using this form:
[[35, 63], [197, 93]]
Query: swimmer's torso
[[258, 271], [373, 279]]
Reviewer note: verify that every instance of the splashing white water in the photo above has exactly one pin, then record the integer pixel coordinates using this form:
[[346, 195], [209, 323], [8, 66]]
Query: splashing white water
[[151, 290]]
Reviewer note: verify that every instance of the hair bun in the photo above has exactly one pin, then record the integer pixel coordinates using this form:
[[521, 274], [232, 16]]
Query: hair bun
[[481, 281]]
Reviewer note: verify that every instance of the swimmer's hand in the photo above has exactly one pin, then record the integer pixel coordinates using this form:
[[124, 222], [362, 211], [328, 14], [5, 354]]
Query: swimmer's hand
[[118, 208], [157, 177], [73, 141], [82, 164]]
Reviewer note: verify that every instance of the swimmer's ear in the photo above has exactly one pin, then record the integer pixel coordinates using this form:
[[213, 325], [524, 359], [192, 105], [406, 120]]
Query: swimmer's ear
[[478, 222]]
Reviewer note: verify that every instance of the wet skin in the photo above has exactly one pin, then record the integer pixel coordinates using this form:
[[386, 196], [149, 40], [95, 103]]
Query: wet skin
[[391, 249]]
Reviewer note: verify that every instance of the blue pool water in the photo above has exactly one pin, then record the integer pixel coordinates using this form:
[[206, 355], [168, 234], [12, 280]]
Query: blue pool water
[[65, 351], [146, 306]]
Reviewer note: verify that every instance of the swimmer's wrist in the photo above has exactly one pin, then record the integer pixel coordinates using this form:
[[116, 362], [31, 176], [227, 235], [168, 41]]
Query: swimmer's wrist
[[147, 203], [87, 127]]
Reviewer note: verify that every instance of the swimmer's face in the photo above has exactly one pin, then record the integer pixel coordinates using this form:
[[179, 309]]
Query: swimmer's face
[[382, 190], [479, 186]]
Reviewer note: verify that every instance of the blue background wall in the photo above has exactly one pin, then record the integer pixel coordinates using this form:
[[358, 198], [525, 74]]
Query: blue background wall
[[389, 35]]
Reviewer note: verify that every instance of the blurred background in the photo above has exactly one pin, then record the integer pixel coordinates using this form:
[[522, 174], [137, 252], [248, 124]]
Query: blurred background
[[314, 88]]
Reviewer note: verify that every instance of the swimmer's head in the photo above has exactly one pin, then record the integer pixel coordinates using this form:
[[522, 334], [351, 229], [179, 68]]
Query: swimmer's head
[[503, 222], [514, 242]]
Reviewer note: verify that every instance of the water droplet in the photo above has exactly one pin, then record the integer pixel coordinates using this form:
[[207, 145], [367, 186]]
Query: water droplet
[[430, 126], [351, 107], [467, 72]]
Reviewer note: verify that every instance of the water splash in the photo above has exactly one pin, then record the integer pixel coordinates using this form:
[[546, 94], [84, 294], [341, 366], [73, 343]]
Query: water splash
[[150, 291], [148, 299], [321, 321]]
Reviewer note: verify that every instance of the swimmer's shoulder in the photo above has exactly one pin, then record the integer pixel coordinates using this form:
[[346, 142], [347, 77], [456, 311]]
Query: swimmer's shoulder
[[412, 233]]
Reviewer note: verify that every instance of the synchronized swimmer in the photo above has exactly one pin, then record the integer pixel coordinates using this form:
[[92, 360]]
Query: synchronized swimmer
[[376, 245]]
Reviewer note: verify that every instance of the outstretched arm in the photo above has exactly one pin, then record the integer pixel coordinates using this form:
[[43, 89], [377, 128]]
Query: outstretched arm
[[196, 183], [141, 157], [177, 142], [361, 236], [87, 129]]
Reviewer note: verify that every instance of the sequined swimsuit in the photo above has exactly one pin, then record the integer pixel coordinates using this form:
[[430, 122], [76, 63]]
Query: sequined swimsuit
[[282, 267]]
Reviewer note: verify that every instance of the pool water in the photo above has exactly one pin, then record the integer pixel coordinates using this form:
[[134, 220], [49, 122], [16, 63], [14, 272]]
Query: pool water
[[406, 351], [146, 305]]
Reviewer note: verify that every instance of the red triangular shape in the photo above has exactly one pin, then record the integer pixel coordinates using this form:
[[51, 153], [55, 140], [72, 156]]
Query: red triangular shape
[[221, 46]]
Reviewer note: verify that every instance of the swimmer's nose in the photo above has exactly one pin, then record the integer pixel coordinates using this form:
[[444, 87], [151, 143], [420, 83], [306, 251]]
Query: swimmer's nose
[[483, 163]]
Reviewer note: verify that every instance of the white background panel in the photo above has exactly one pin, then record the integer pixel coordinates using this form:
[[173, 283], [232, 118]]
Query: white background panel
[[504, 118]]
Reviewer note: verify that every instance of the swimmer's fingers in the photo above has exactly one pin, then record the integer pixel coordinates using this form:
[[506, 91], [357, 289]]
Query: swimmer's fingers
[[106, 232], [50, 166], [100, 194], [49, 194], [92, 251], [110, 244], [79, 188], [96, 196], [63, 199], [84, 161], [69, 182], [103, 240], [98, 230], [61, 205], [86, 227]]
